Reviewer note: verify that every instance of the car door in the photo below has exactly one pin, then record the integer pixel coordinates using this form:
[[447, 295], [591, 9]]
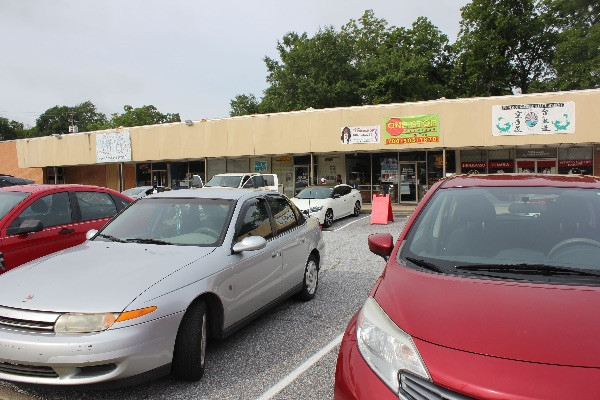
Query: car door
[[347, 199], [339, 210], [256, 275], [290, 238], [55, 212]]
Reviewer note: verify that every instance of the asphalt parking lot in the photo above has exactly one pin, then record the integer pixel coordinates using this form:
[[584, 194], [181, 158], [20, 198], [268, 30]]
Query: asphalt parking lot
[[288, 353]]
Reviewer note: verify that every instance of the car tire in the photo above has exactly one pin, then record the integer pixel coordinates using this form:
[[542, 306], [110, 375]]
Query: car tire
[[190, 346], [311, 279], [357, 208], [328, 220]]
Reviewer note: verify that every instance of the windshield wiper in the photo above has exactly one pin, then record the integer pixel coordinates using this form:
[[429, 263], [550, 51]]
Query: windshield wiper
[[146, 241], [109, 237], [426, 265], [532, 269]]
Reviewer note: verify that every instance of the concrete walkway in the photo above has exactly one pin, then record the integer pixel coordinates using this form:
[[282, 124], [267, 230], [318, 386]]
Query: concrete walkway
[[402, 209]]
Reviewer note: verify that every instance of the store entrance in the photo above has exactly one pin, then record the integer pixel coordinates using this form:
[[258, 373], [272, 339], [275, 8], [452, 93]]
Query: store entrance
[[547, 166], [408, 182], [301, 177], [159, 178]]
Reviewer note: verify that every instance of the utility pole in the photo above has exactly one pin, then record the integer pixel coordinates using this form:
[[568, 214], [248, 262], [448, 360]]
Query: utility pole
[[72, 127]]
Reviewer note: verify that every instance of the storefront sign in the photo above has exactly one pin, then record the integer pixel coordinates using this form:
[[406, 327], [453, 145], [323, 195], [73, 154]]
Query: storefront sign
[[537, 153], [113, 147], [359, 134], [575, 163], [283, 159], [478, 165], [414, 129], [533, 119], [260, 166], [502, 164]]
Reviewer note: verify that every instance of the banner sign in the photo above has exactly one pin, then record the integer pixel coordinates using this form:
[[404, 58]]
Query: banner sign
[[533, 119], [113, 147], [414, 129], [359, 134], [467, 165], [389, 170], [575, 163], [502, 164]]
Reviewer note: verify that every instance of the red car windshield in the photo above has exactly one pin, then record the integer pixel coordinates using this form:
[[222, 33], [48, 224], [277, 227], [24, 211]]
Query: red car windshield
[[530, 232], [8, 201]]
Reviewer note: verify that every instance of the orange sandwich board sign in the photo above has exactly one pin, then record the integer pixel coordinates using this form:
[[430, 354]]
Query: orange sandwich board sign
[[382, 209]]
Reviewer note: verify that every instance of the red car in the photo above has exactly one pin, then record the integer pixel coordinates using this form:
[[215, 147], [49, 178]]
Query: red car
[[491, 292], [36, 220]]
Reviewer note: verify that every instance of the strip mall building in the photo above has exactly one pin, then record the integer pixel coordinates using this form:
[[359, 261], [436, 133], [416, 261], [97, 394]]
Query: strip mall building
[[401, 149]]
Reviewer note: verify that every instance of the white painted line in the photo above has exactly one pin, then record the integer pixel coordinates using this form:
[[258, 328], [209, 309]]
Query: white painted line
[[349, 223], [282, 384]]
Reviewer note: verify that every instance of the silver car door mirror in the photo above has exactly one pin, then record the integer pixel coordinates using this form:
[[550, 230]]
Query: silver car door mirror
[[90, 234], [250, 243]]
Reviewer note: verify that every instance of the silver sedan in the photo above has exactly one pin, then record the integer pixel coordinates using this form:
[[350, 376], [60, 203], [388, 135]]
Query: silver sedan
[[139, 299]]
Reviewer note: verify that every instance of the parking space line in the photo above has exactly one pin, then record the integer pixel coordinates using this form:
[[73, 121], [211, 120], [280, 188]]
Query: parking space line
[[282, 384], [349, 223]]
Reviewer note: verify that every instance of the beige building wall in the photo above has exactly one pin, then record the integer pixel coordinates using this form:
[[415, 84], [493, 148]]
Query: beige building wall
[[9, 163], [463, 123]]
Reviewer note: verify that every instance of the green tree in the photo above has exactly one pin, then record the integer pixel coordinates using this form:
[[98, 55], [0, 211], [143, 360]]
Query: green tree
[[145, 115], [502, 44], [8, 129], [244, 104], [576, 62], [58, 119]]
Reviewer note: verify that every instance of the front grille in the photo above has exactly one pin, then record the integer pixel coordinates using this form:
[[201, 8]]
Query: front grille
[[27, 370], [25, 320], [415, 388]]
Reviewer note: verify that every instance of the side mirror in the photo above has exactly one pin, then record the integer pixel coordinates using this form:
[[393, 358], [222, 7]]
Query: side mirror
[[336, 196], [27, 226], [90, 234], [250, 243], [381, 244]]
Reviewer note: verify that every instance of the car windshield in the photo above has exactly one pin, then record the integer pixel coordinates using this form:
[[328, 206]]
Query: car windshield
[[315, 193], [177, 221], [8, 201], [512, 232], [134, 191], [225, 181]]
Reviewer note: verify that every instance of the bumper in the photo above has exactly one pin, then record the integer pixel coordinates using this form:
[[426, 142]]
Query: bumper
[[89, 358], [320, 215]]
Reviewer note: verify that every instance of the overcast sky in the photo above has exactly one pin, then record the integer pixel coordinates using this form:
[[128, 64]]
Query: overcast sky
[[185, 56]]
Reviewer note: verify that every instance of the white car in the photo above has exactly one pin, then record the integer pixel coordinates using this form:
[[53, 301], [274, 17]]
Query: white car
[[328, 203]]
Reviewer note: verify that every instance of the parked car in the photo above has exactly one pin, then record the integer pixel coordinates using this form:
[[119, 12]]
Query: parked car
[[9, 180], [328, 203], [490, 292], [244, 180], [36, 220], [143, 191], [140, 298]]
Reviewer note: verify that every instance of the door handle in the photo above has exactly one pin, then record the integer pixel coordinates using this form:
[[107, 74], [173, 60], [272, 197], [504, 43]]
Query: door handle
[[302, 240], [64, 231]]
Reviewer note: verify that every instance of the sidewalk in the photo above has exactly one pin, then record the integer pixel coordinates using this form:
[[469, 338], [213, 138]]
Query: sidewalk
[[403, 209]]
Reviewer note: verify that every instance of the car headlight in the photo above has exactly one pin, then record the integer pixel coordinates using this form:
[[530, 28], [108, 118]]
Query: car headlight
[[316, 208], [386, 348], [97, 322], [84, 323]]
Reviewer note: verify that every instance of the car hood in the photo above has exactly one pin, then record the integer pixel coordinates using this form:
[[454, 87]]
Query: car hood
[[94, 276], [304, 204], [542, 323]]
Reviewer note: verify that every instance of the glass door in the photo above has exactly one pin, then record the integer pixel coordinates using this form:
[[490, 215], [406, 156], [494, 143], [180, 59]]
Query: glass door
[[159, 178], [408, 182], [301, 178]]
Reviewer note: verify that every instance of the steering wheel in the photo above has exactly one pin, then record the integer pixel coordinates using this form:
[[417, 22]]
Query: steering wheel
[[208, 231], [571, 242]]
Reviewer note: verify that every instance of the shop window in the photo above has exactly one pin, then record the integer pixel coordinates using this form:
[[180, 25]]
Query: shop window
[[575, 160]]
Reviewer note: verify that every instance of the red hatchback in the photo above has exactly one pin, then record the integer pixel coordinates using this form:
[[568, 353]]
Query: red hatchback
[[36, 220], [491, 292]]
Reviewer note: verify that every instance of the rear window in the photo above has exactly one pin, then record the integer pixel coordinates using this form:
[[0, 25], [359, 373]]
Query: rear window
[[9, 200]]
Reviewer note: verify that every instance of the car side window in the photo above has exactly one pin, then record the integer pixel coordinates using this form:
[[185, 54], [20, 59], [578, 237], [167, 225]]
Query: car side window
[[95, 205], [121, 202], [53, 209], [285, 218], [299, 216], [345, 190], [336, 191], [255, 222]]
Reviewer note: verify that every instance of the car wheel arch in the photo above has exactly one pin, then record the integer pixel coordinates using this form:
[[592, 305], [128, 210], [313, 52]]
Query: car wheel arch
[[214, 311]]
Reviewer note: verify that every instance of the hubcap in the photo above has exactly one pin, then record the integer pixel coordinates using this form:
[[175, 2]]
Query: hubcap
[[312, 276]]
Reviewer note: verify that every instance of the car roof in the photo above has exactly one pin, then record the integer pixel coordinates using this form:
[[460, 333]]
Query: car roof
[[539, 180], [214, 193], [16, 180], [38, 188]]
